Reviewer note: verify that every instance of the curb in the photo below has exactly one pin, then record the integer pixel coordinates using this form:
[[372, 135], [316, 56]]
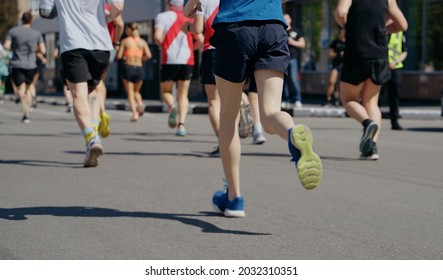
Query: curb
[[307, 111]]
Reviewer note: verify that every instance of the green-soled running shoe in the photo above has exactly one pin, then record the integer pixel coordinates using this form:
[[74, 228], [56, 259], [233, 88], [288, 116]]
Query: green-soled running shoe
[[308, 163]]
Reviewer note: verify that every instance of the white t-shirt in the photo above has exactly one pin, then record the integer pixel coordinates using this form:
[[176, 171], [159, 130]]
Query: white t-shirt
[[209, 11], [177, 47], [82, 24]]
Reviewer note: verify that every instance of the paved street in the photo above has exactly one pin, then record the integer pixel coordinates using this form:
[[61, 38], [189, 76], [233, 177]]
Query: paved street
[[150, 196]]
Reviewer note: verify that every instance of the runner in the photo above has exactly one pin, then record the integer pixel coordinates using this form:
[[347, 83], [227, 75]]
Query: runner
[[85, 48]]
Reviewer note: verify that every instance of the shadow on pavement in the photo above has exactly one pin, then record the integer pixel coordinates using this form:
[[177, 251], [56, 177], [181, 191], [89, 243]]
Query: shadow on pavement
[[41, 163], [425, 129], [20, 214]]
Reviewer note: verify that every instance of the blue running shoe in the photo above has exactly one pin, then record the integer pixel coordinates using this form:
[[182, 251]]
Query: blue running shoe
[[308, 163], [367, 142], [235, 208], [230, 208], [181, 131], [220, 200]]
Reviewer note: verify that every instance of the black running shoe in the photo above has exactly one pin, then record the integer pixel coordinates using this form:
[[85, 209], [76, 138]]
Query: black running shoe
[[25, 119], [215, 152], [372, 155], [367, 142]]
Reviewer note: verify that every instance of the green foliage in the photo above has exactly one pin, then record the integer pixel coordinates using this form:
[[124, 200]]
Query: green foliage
[[8, 16]]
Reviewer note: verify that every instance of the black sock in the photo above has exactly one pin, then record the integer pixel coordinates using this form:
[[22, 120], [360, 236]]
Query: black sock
[[366, 122]]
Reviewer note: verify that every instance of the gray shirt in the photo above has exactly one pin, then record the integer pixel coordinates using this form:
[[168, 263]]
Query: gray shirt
[[82, 24], [24, 42]]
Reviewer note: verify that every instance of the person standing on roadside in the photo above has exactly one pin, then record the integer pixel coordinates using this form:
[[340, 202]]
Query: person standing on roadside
[[24, 42], [397, 54], [85, 47], [336, 52], [365, 62], [291, 87]]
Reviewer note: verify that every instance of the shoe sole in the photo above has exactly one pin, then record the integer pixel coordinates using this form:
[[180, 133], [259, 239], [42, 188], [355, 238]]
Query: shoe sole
[[230, 213], [181, 133], [367, 142], [371, 157], [259, 141], [234, 213], [93, 157], [172, 122], [309, 166], [103, 127]]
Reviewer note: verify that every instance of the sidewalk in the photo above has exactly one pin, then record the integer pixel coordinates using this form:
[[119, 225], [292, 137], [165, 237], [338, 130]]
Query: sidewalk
[[311, 108]]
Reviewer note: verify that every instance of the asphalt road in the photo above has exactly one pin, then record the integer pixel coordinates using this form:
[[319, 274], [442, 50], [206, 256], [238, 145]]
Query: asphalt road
[[150, 196]]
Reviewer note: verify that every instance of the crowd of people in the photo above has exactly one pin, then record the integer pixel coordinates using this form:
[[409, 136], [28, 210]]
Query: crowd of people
[[242, 44]]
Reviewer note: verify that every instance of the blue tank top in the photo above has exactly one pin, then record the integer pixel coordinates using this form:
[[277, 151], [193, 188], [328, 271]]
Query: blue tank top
[[244, 10]]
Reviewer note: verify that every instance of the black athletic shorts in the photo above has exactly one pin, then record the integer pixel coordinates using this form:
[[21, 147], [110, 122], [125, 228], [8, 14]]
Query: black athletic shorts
[[20, 75], [244, 47], [82, 65], [134, 74], [207, 67], [357, 70], [176, 72], [251, 85]]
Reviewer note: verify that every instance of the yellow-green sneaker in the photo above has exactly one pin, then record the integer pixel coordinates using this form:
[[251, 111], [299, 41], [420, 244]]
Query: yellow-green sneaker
[[308, 163], [103, 127]]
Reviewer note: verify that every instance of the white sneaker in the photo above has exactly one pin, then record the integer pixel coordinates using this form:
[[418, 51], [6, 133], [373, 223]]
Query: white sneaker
[[94, 150], [258, 139], [245, 123], [298, 104], [285, 105]]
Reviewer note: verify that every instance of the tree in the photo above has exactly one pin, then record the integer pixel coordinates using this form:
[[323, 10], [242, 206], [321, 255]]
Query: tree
[[8, 16]]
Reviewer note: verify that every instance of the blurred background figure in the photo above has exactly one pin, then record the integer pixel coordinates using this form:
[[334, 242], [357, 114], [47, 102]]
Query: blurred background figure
[[134, 51], [291, 87], [336, 52], [397, 54]]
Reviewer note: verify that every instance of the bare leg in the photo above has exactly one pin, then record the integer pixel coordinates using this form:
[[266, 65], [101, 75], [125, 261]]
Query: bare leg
[[183, 100], [138, 97], [25, 96], [369, 93], [82, 110], [269, 86], [331, 84], [214, 107], [167, 96], [101, 93], [131, 99], [229, 140]]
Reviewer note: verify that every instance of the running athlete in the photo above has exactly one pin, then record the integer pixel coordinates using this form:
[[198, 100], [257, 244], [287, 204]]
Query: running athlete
[[24, 42], [203, 19], [250, 37], [85, 48], [177, 62], [134, 51], [365, 62]]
